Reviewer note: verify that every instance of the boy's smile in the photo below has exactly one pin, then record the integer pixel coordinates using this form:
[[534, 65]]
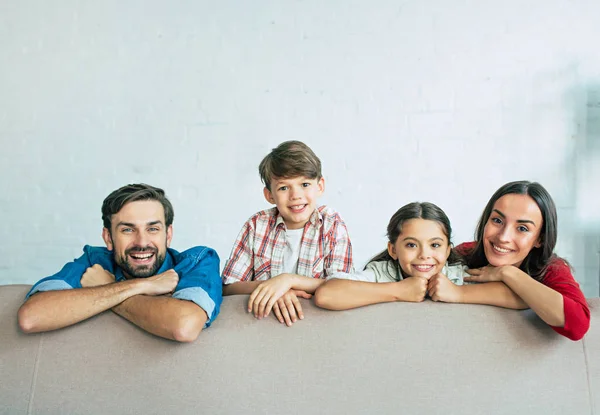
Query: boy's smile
[[295, 198]]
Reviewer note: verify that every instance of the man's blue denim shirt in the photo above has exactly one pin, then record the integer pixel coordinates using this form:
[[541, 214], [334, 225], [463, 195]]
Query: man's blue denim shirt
[[197, 267]]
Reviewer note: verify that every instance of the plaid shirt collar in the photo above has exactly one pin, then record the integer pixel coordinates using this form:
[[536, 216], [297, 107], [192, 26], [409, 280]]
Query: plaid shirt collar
[[316, 219]]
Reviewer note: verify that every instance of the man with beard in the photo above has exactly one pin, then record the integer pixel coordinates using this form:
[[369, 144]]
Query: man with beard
[[170, 294]]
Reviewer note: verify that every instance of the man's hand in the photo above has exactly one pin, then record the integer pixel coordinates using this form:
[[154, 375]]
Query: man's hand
[[412, 289], [95, 276], [440, 288], [160, 284], [485, 274], [288, 309], [264, 296]]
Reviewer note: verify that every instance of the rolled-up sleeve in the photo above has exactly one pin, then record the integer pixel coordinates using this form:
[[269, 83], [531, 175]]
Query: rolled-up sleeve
[[200, 281]]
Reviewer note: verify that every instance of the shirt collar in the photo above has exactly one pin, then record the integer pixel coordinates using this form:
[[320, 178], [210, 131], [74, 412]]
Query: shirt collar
[[316, 219]]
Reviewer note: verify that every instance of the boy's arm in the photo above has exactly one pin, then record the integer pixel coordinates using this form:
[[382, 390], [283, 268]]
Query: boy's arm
[[339, 258], [242, 287], [342, 294], [239, 268]]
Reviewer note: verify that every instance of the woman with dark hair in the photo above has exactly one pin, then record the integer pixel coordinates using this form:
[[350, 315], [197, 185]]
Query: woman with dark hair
[[418, 248], [513, 256]]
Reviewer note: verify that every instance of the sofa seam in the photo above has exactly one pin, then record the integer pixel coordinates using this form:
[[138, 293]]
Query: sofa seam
[[35, 375]]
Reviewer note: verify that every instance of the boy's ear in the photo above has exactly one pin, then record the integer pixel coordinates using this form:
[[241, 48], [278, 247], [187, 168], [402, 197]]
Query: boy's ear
[[321, 184], [107, 239], [268, 196], [392, 251]]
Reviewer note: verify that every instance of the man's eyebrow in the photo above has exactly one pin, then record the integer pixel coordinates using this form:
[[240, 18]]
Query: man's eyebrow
[[518, 220], [127, 224], [133, 225]]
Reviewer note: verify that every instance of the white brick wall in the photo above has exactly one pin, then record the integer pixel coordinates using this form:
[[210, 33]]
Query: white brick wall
[[431, 100]]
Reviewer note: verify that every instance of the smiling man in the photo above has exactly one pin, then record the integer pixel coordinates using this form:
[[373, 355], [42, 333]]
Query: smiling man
[[170, 294]]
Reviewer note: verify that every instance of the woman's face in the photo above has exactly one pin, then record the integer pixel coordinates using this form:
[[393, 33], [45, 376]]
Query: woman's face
[[512, 230]]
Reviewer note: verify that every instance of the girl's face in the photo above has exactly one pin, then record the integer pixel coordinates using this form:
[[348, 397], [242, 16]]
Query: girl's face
[[422, 248], [512, 230]]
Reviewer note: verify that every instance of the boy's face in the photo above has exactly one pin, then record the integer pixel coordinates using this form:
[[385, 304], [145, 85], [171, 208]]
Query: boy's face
[[295, 198], [139, 238]]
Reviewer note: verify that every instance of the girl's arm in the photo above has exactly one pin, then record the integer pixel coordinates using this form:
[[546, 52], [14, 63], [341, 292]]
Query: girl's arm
[[340, 294]]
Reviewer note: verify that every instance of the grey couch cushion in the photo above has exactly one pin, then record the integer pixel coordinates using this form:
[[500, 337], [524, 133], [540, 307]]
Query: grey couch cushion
[[424, 358]]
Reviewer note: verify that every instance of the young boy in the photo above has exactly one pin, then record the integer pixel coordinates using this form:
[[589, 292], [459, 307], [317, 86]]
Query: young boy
[[287, 252]]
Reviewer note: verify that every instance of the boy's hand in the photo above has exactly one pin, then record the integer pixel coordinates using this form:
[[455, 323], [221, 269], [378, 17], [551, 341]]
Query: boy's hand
[[412, 289], [440, 288], [288, 309], [95, 276], [264, 296]]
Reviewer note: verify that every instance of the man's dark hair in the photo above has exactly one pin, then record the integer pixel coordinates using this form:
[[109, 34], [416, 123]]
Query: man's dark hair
[[115, 201]]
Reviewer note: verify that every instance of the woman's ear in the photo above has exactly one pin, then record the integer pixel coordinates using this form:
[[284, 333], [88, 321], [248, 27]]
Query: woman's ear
[[392, 251]]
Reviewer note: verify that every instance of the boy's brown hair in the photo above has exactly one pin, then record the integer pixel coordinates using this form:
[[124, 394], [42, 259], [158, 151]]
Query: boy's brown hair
[[289, 159]]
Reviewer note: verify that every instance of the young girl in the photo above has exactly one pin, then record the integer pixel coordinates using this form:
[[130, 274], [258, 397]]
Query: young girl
[[513, 256], [418, 247]]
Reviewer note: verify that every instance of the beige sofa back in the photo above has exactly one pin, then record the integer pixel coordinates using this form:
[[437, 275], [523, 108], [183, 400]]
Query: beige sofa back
[[425, 358]]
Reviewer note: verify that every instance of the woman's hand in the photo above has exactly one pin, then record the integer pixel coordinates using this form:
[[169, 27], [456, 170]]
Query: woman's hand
[[486, 274]]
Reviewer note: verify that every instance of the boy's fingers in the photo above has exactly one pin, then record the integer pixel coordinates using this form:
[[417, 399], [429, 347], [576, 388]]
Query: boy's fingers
[[303, 294], [286, 314], [270, 305], [298, 308], [291, 309], [256, 306], [252, 299], [277, 312]]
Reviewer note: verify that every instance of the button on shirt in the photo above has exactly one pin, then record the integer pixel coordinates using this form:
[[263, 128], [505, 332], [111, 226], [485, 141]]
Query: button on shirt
[[198, 270]]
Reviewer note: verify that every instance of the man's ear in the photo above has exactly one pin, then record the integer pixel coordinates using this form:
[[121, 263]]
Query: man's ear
[[268, 196], [107, 239], [392, 251], [169, 235]]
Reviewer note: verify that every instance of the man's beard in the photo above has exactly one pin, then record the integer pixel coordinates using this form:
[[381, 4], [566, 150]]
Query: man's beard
[[140, 271]]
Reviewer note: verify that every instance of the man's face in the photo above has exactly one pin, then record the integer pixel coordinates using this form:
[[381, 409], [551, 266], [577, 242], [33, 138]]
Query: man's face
[[139, 238]]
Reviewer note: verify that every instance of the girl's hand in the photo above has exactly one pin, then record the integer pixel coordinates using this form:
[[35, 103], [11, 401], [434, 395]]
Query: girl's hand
[[440, 288], [264, 297], [412, 289], [485, 274]]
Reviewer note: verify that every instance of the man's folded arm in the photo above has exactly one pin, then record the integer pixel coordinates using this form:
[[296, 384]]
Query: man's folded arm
[[51, 310]]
